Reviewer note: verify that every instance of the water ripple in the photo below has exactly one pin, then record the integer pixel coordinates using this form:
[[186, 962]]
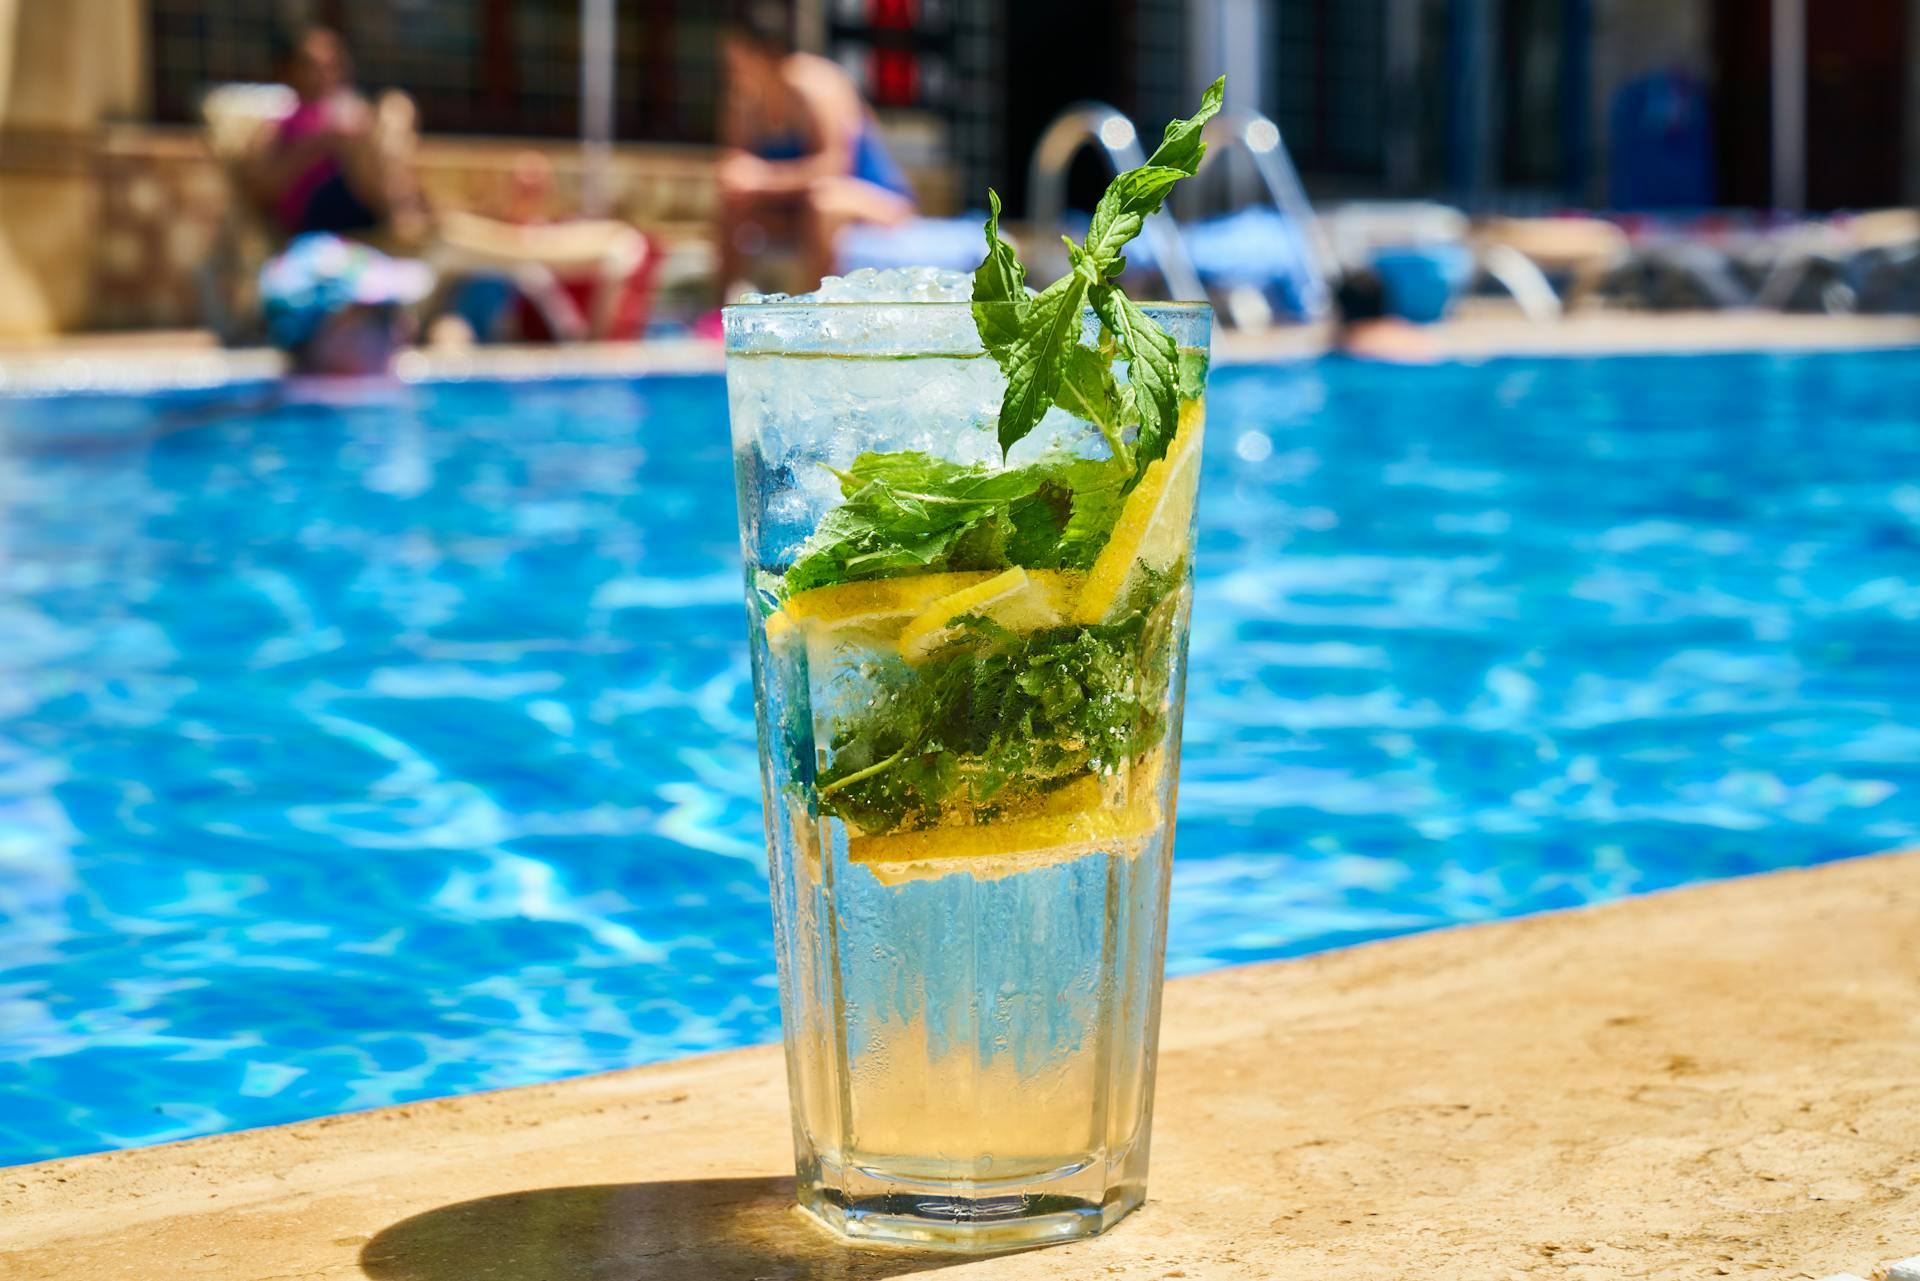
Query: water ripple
[[356, 754]]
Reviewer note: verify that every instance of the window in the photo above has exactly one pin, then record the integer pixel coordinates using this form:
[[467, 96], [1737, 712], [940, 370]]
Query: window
[[474, 66], [1331, 72], [1531, 78]]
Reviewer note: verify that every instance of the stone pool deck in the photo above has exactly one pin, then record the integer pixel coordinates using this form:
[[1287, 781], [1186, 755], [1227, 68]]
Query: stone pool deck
[[1720, 1080]]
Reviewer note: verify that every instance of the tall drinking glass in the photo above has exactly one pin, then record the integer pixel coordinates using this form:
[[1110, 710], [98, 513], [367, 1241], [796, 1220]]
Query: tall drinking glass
[[970, 678]]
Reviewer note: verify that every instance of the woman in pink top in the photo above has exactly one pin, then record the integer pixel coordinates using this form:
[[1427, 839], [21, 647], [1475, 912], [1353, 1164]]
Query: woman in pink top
[[320, 169]]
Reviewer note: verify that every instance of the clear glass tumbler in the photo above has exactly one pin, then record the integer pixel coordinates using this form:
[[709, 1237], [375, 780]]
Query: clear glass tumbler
[[970, 679]]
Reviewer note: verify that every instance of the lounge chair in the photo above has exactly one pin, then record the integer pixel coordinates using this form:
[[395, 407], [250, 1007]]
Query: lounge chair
[[1390, 234], [586, 279], [1581, 250], [1844, 263]]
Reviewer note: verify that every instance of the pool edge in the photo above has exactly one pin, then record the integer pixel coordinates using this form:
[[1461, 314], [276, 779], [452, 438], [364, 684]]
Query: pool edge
[[95, 363], [1648, 1083]]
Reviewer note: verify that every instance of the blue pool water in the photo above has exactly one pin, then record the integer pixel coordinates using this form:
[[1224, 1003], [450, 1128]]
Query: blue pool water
[[358, 754]]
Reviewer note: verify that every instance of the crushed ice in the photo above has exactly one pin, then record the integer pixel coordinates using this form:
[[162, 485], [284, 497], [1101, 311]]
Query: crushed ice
[[893, 285]]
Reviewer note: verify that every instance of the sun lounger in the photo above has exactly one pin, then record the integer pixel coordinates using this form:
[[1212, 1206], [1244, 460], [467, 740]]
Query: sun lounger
[[586, 278], [1581, 250], [1844, 263]]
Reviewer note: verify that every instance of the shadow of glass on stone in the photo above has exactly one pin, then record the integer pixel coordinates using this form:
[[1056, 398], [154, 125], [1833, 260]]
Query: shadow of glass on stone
[[711, 1229]]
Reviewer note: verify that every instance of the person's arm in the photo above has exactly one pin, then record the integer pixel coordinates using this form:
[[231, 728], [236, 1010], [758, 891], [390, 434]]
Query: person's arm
[[271, 168], [835, 115], [736, 123], [740, 172]]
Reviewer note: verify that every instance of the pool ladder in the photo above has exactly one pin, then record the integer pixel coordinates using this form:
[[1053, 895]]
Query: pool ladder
[[1108, 128]]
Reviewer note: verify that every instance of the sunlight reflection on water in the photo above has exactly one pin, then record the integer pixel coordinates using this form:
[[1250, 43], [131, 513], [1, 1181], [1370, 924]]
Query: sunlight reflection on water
[[356, 754]]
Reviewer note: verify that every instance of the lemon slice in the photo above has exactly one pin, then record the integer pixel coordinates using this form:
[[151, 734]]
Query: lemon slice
[[1115, 813], [998, 849], [872, 604], [1019, 600], [1155, 521]]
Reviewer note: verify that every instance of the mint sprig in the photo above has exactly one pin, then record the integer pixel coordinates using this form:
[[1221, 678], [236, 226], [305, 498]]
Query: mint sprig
[[1037, 340], [911, 513]]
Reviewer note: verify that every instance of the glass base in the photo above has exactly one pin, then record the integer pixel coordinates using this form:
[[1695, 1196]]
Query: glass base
[[970, 1221]]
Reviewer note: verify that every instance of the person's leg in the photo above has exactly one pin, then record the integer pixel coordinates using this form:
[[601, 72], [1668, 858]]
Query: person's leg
[[396, 139], [833, 203], [333, 206], [564, 319], [729, 213], [624, 257]]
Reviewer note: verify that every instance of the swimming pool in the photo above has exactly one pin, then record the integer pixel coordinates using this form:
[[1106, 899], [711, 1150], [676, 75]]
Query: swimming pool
[[353, 754]]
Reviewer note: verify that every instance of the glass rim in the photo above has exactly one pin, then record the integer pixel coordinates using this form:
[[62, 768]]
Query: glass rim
[[800, 305]]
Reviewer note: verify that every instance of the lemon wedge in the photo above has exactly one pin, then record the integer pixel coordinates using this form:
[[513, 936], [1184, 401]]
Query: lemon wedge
[[1155, 521], [1019, 600], [874, 604]]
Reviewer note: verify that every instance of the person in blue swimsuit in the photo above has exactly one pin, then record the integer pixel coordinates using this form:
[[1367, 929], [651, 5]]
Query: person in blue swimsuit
[[801, 156]]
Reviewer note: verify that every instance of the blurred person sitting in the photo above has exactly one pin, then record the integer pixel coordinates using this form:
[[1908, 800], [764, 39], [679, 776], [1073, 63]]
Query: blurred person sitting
[[527, 195], [335, 163], [488, 300], [801, 152], [531, 273], [1367, 328]]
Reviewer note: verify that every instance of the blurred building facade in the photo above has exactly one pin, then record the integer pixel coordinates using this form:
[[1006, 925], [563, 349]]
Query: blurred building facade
[[110, 199], [1515, 104]]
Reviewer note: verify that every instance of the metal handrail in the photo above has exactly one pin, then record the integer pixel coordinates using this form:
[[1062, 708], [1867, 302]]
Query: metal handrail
[[1109, 129], [1259, 137]]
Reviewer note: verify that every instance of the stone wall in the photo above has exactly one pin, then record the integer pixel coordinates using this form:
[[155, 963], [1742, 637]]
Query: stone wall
[[64, 65]]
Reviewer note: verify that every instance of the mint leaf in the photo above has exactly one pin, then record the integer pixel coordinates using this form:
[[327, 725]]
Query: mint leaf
[[869, 536], [1193, 374], [1180, 146], [1088, 390], [1137, 194], [999, 288], [1096, 508], [1129, 201], [1035, 362], [910, 469], [907, 512], [1038, 524], [1151, 371]]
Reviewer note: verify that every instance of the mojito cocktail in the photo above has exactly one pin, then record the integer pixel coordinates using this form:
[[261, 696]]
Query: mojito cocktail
[[969, 615]]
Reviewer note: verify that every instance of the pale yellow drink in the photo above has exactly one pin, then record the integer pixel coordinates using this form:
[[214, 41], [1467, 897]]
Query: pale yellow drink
[[969, 781]]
